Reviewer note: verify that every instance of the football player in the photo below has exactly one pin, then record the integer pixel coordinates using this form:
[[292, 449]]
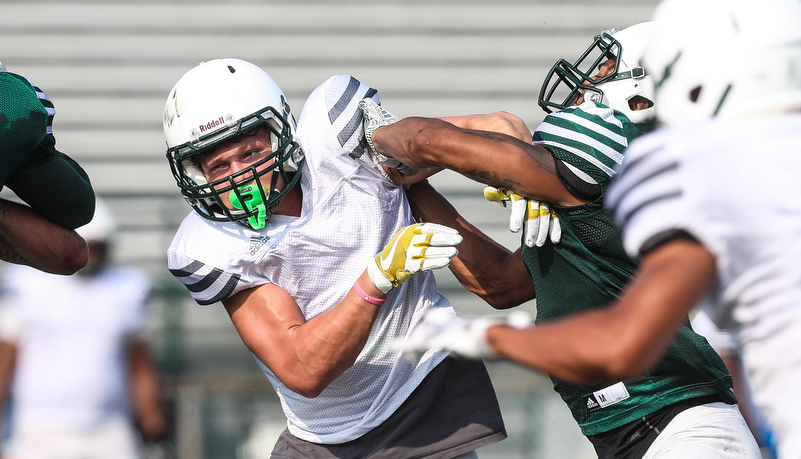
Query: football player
[[315, 256], [570, 164], [605, 74], [729, 95]]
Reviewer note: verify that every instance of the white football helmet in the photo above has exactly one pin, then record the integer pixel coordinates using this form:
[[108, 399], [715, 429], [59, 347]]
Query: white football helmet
[[100, 234], [725, 58], [103, 225], [626, 85], [218, 100]]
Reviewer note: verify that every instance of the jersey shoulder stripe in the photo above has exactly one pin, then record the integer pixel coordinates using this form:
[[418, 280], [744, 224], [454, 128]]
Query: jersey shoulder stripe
[[207, 285], [343, 93], [646, 181], [647, 193], [590, 136]]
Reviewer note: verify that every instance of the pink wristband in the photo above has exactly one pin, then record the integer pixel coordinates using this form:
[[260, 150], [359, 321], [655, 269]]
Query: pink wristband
[[366, 297]]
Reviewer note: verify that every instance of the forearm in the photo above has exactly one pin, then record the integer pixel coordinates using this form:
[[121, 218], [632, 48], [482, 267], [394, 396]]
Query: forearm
[[501, 122], [306, 355], [483, 266], [626, 339], [145, 392], [581, 349], [30, 239], [8, 362], [490, 158], [330, 343]]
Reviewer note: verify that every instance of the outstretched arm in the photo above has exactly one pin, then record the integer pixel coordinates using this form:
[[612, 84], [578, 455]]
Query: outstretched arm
[[500, 122], [27, 238], [622, 341], [483, 266], [487, 157]]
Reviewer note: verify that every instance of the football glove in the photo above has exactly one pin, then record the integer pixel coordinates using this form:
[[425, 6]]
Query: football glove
[[534, 217], [441, 330], [418, 247], [374, 117]]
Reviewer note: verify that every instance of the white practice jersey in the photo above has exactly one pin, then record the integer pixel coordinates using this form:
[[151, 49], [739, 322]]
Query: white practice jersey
[[73, 335], [351, 209], [734, 186]]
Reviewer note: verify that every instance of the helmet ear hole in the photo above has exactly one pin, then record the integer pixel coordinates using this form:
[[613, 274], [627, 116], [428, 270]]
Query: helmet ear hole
[[695, 94], [639, 102]]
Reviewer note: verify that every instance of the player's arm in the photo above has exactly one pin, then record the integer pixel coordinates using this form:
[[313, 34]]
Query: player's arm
[[308, 355], [305, 355], [27, 238], [8, 361], [491, 158], [145, 396], [483, 266], [627, 339], [500, 122]]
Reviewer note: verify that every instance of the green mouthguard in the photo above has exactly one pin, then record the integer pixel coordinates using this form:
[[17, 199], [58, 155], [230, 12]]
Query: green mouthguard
[[253, 201]]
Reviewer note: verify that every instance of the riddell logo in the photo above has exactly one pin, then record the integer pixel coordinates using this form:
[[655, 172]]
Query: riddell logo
[[212, 124]]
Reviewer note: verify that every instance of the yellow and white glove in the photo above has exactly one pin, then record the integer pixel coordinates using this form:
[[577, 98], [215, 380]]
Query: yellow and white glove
[[442, 330], [415, 248], [534, 217], [376, 116]]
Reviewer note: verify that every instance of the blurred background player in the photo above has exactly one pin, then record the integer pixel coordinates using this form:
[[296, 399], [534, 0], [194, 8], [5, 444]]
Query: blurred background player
[[55, 187], [75, 370]]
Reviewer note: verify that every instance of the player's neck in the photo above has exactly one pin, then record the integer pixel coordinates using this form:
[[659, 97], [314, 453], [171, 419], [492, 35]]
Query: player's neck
[[292, 203]]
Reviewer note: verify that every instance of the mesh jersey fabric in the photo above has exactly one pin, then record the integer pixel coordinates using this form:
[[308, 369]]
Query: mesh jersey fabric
[[46, 179], [589, 268], [72, 334], [350, 210], [734, 186], [24, 123]]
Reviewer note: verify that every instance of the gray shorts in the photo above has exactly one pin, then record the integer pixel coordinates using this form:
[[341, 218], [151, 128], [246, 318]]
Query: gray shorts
[[453, 411]]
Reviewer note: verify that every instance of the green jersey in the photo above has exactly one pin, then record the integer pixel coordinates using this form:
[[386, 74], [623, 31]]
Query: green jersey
[[46, 179], [589, 268]]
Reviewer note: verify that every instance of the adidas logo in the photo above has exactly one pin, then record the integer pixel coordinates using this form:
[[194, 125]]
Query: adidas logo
[[591, 404], [256, 243]]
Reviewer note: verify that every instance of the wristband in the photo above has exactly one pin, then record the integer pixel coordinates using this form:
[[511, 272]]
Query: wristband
[[366, 297]]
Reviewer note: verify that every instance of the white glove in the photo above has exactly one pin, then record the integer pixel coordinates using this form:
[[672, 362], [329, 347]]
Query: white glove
[[418, 247], [535, 217], [441, 330], [374, 117]]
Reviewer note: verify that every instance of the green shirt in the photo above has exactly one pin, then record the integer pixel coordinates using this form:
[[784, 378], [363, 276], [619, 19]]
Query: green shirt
[[588, 269], [46, 179]]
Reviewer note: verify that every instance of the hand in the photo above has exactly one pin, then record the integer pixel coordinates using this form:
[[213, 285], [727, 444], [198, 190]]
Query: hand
[[535, 216], [418, 247], [374, 117], [441, 330]]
